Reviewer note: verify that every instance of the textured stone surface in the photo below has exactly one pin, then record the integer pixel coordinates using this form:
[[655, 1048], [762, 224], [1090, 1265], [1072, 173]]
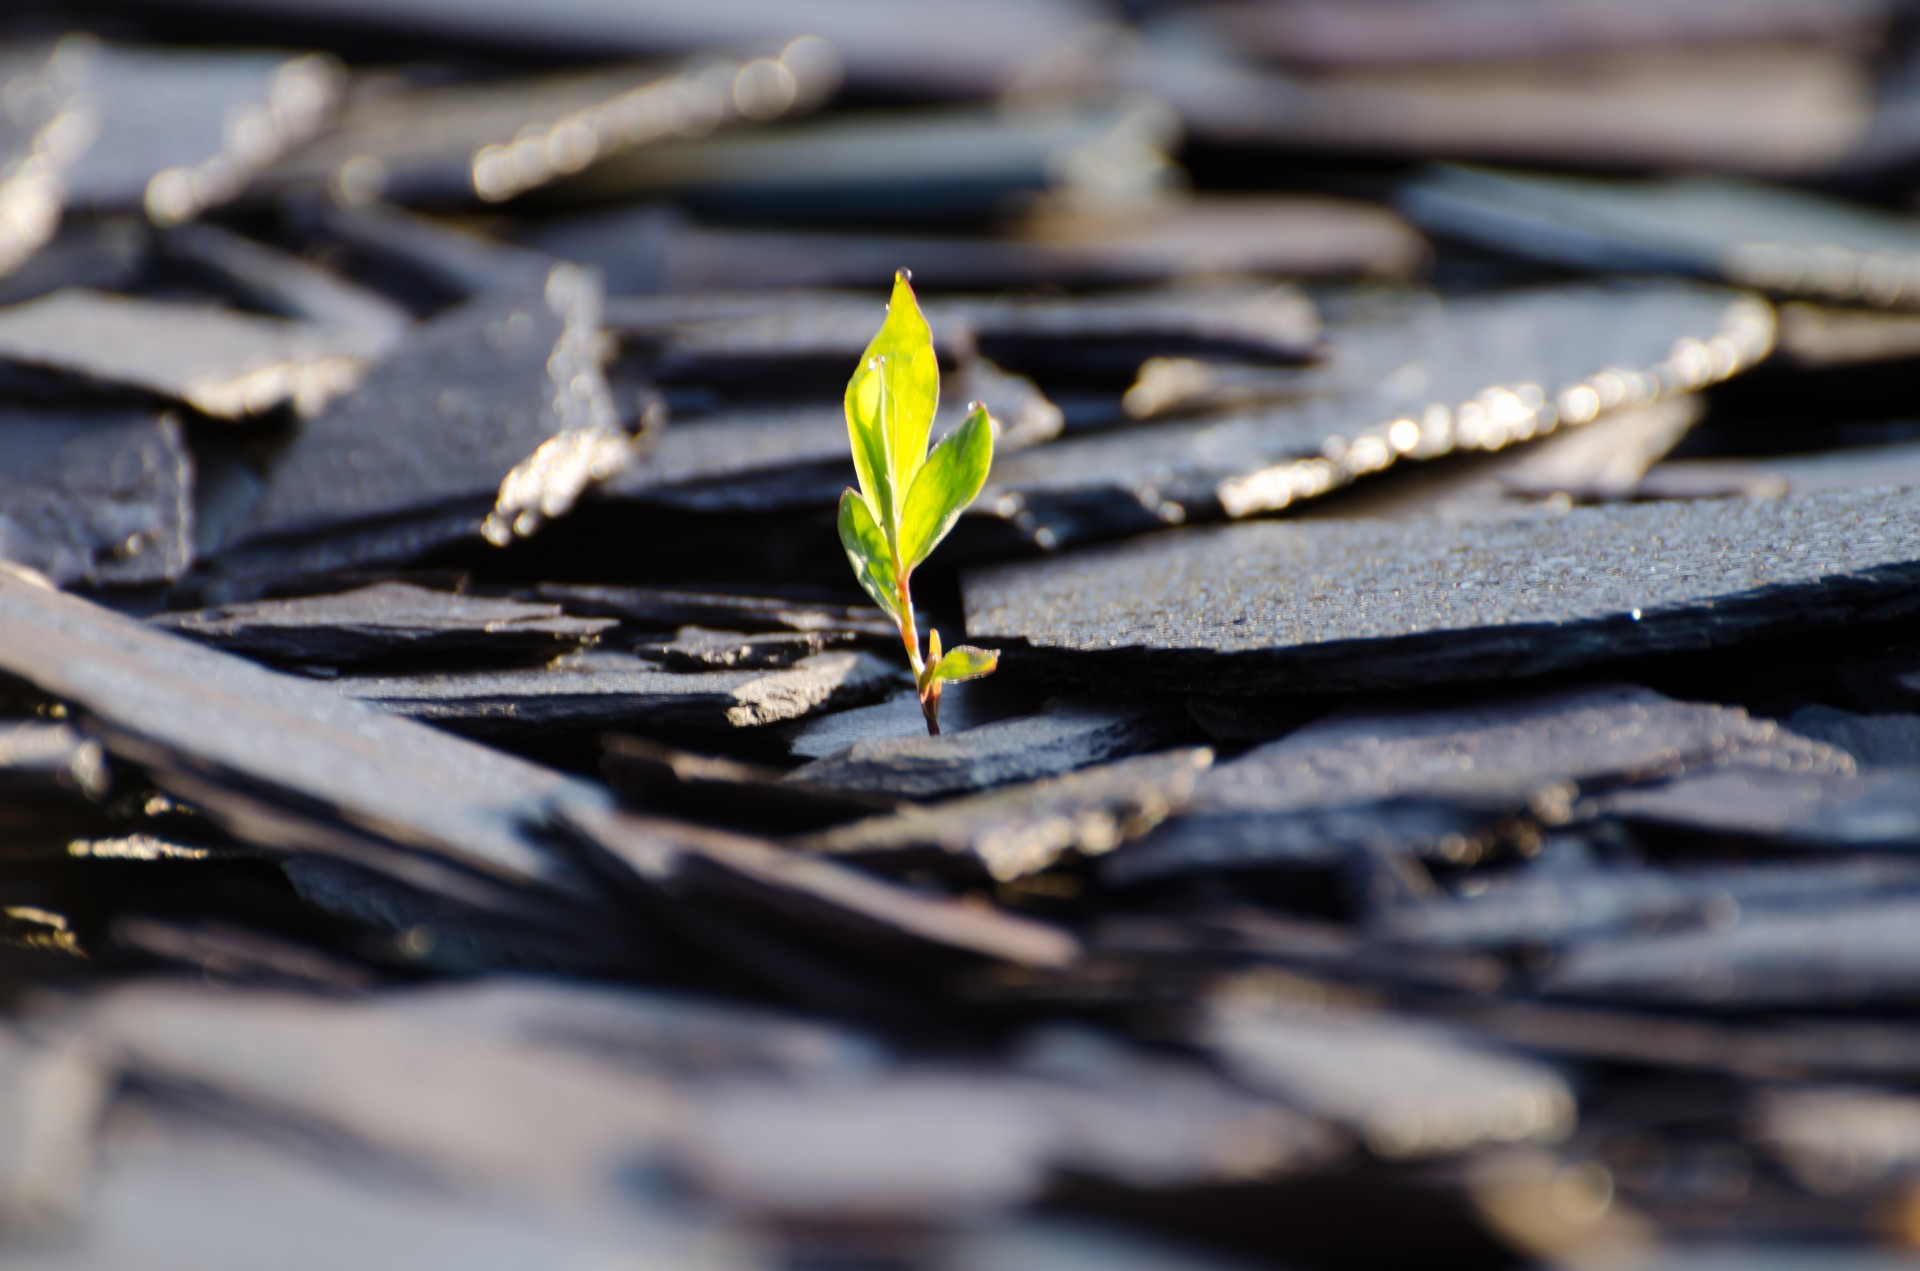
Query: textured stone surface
[[1352, 604], [1408, 376], [1879, 808], [99, 497], [386, 621]]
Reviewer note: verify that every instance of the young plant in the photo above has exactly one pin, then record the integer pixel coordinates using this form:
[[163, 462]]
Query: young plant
[[909, 498]]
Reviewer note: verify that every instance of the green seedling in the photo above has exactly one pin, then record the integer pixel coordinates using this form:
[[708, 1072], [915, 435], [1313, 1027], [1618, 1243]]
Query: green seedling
[[909, 497]]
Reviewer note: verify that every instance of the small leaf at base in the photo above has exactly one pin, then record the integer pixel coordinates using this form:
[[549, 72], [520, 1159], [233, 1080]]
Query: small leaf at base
[[964, 662]]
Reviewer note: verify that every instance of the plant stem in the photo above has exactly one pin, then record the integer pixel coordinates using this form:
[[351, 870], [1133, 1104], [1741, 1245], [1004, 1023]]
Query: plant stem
[[929, 690]]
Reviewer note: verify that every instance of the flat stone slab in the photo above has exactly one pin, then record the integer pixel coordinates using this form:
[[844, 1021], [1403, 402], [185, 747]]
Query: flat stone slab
[[704, 649], [648, 775], [1779, 241], [1877, 740], [170, 141], [608, 690], [1025, 748], [1358, 604], [385, 622], [96, 497], [490, 418], [1008, 833], [223, 363], [666, 610], [1408, 780], [963, 707], [1879, 808], [1408, 376]]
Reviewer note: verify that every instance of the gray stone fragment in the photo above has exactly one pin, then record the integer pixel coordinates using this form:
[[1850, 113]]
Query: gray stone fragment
[[701, 649], [1021, 830], [665, 610], [1409, 376], [383, 622], [962, 707], [96, 497], [180, 132], [1026, 748], [43, 757], [606, 690], [48, 124], [1776, 240], [1340, 605], [1877, 741], [1878, 808], [52, 1091]]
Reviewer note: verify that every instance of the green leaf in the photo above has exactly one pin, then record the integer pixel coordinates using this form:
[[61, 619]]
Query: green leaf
[[890, 403], [964, 662], [867, 551], [953, 475]]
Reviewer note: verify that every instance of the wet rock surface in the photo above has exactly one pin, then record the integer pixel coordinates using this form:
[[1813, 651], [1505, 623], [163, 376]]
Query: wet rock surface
[[1446, 795]]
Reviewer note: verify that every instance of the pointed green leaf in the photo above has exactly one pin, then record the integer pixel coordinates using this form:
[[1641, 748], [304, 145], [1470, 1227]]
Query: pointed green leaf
[[964, 662], [953, 475], [867, 552], [890, 403]]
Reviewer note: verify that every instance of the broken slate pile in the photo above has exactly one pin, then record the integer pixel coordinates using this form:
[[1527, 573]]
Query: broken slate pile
[[1450, 794]]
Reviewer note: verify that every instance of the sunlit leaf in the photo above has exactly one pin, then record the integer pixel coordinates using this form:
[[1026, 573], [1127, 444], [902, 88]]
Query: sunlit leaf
[[890, 404], [953, 475], [868, 552], [964, 662]]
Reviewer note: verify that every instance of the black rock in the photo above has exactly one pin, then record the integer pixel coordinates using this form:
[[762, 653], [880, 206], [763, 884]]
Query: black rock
[[1027, 748], [1774, 240], [1009, 833], [1275, 237], [703, 649], [387, 622], [662, 610], [180, 132], [593, 690], [1877, 741], [423, 263], [1340, 605], [95, 497], [1409, 377], [489, 140], [1439, 779], [487, 420], [222, 363], [649, 776]]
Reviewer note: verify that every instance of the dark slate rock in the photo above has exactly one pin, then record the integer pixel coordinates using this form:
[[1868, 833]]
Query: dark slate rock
[[1775, 240], [664, 610], [1408, 1087], [1350, 604], [291, 765], [1435, 779], [384, 622], [492, 139], [222, 363], [425, 264], [1009, 833], [650, 776], [850, 165], [180, 132], [1877, 741], [366, 322], [489, 419], [42, 757], [1270, 236], [767, 458], [1852, 468], [1026, 748], [1876, 809], [48, 124], [1411, 377], [964, 706], [1539, 909], [702, 649], [1828, 958], [1771, 110], [602, 690], [95, 497]]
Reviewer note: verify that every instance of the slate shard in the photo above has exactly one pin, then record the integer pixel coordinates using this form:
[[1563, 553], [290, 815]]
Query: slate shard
[[386, 622], [700, 649], [48, 125], [1410, 377], [1875, 809], [492, 139], [666, 610], [491, 418], [96, 498], [1446, 781], [223, 363], [964, 706], [1169, 240], [1341, 605], [1877, 740], [179, 133], [590, 690], [650, 776], [1778, 241], [1019, 830], [1026, 748]]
